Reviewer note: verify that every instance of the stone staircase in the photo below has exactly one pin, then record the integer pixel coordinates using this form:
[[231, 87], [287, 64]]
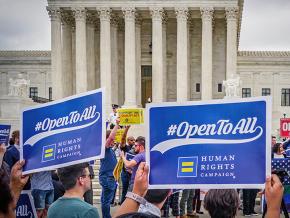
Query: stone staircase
[[96, 185]]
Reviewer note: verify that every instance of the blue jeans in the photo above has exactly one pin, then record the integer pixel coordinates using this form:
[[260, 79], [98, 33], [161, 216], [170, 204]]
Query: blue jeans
[[108, 189], [42, 198], [186, 198], [125, 177]]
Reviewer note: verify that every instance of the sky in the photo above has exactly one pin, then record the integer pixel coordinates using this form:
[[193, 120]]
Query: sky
[[25, 25]]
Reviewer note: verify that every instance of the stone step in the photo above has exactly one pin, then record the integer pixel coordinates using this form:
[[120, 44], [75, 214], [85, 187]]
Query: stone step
[[96, 185], [97, 192], [96, 199]]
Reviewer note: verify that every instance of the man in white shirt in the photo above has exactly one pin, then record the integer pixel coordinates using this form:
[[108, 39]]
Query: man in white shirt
[[113, 116]]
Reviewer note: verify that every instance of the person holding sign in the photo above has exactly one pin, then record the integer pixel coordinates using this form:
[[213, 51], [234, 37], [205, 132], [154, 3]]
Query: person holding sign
[[106, 177], [126, 175], [11, 188], [134, 163]]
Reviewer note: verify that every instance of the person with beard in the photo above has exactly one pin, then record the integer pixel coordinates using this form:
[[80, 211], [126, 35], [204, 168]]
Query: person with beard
[[126, 173], [139, 157]]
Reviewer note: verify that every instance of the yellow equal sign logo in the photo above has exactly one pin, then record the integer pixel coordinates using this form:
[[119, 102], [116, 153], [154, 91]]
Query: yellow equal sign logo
[[48, 152], [187, 167]]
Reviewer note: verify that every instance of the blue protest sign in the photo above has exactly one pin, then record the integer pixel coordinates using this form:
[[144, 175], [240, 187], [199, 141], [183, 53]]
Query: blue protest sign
[[213, 144], [25, 206], [129, 156], [4, 134], [63, 132]]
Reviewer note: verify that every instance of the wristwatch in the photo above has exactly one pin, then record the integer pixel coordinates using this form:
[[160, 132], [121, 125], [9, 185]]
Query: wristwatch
[[136, 198]]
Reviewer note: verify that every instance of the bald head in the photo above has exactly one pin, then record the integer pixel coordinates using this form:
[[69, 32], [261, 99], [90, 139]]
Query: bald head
[[131, 140]]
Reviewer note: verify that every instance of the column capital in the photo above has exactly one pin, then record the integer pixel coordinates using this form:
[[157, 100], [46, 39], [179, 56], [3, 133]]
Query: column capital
[[232, 13], [207, 13], [91, 18], [165, 18], [181, 13], [114, 20], [157, 13], [129, 13], [54, 13], [80, 13], [66, 17], [105, 13]]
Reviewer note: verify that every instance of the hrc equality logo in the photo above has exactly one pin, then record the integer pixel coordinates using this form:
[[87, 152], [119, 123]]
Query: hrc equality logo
[[187, 166], [48, 153]]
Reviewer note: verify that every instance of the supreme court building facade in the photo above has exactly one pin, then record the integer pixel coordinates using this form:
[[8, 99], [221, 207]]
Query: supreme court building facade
[[150, 50], [109, 44]]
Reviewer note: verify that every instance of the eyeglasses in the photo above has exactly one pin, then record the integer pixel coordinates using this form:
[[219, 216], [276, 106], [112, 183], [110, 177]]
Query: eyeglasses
[[91, 176]]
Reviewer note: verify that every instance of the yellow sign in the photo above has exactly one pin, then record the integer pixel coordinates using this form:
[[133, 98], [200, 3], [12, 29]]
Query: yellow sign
[[119, 135], [131, 116]]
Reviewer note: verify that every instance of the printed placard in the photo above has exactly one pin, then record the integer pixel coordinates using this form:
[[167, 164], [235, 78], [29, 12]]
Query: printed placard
[[119, 135], [285, 127], [131, 116], [25, 206], [63, 132], [129, 156], [4, 134], [210, 144]]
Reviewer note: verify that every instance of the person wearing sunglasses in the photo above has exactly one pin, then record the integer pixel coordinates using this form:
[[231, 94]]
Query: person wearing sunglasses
[[76, 180], [138, 158]]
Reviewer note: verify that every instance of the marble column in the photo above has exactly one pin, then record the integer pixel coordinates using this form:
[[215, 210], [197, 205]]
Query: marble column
[[67, 53], [206, 54], [97, 55], [114, 52], [121, 46], [81, 53], [157, 55], [130, 57], [105, 54], [138, 22], [91, 75], [231, 17], [164, 51], [189, 31], [182, 55], [73, 48], [56, 57]]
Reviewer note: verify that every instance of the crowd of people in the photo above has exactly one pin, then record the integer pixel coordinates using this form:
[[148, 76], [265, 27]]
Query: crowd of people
[[67, 192]]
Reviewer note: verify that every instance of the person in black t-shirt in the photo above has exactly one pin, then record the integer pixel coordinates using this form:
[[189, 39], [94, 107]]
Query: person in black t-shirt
[[126, 174]]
